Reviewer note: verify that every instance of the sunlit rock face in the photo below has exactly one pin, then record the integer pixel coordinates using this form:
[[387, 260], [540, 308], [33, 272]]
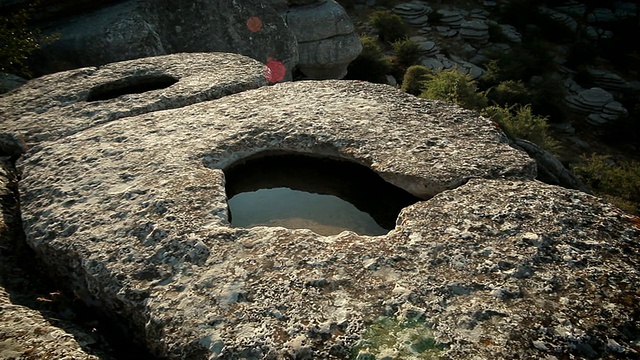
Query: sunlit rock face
[[316, 35], [326, 37], [130, 210]]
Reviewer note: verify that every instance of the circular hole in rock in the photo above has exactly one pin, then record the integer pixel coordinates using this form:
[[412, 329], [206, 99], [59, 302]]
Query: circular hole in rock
[[130, 85], [325, 195]]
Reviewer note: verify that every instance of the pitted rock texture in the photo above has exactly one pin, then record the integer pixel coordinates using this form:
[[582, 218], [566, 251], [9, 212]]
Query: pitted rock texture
[[25, 334], [66, 95], [133, 215]]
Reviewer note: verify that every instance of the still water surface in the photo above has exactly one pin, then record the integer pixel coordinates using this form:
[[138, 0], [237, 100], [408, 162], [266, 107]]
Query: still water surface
[[325, 195], [294, 209]]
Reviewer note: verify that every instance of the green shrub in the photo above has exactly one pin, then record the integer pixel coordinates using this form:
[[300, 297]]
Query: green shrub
[[407, 52], [370, 65], [414, 78], [390, 26], [617, 182], [18, 41], [509, 92], [496, 34], [519, 122], [451, 86]]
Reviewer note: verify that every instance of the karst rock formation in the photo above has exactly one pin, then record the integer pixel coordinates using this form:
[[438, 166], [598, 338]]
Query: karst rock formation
[[122, 197]]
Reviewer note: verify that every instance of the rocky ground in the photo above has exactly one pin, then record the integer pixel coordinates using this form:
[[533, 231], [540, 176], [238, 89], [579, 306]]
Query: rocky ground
[[129, 210]]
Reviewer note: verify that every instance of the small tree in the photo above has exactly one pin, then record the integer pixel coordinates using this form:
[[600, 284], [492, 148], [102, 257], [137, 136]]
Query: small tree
[[370, 65], [509, 92], [407, 52], [618, 182], [18, 40], [451, 86], [390, 26], [519, 122], [414, 79]]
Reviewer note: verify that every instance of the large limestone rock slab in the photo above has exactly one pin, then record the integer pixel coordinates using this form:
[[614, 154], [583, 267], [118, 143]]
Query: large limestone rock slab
[[132, 214], [61, 104]]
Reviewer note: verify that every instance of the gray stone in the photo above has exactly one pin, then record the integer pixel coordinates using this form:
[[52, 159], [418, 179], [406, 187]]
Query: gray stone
[[574, 8], [475, 30], [329, 58], [140, 194], [607, 80], [550, 169], [326, 37], [427, 47], [600, 15], [561, 18], [200, 77], [511, 33], [9, 82], [595, 33], [451, 18], [134, 29]]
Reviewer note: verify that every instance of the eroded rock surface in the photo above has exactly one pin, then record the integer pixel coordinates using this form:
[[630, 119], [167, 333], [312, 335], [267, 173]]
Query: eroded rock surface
[[132, 214], [78, 95], [24, 332]]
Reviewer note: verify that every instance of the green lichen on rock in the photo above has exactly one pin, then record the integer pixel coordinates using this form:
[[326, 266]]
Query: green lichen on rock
[[397, 338]]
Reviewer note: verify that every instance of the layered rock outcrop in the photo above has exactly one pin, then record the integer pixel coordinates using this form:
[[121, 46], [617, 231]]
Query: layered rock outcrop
[[132, 213], [326, 37], [126, 30], [316, 35]]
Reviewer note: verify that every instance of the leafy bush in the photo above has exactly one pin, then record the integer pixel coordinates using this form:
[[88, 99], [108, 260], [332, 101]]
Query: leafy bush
[[370, 65], [390, 26], [496, 34], [451, 86], [414, 78], [509, 92], [519, 122], [407, 52], [18, 40], [617, 182]]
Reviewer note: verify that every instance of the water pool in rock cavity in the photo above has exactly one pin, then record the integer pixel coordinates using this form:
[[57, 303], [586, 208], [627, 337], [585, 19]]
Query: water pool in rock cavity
[[325, 195]]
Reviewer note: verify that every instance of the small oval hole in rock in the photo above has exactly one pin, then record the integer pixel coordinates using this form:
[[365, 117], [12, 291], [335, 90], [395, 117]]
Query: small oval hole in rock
[[130, 85], [325, 195]]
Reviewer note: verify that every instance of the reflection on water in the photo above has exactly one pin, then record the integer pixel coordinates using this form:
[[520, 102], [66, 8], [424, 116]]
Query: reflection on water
[[294, 209], [325, 195]]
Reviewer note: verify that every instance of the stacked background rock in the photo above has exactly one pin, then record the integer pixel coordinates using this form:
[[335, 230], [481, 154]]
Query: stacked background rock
[[317, 34], [326, 37]]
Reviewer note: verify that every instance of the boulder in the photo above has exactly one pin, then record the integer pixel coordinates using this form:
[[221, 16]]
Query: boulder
[[252, 28], [110, 92], [9, 82], [132, 214], [607, 80], [475, 31], [596, 104], [561, 18], [134, 29], [326, 38]]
